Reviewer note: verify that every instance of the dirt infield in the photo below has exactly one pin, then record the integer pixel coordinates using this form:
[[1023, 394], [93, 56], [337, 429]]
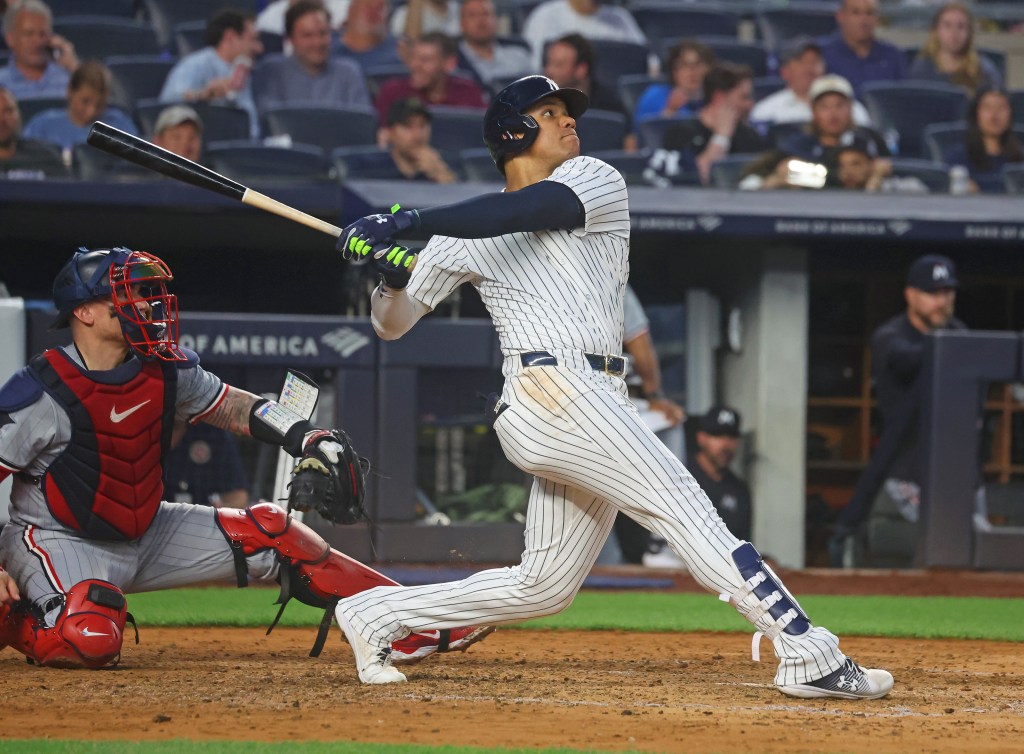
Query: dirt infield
[[590, 690]]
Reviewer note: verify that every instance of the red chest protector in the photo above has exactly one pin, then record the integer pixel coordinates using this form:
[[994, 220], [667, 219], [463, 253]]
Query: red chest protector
[[108, 482]]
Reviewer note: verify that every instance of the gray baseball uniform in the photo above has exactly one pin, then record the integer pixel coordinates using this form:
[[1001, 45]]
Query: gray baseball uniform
[[573, 427]]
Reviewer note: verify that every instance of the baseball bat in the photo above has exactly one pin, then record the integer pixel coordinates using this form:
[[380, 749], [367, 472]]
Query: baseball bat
[[141, 152]]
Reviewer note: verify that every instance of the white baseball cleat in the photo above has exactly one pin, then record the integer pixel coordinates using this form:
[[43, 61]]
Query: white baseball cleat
[[372, 663], [851, 681]]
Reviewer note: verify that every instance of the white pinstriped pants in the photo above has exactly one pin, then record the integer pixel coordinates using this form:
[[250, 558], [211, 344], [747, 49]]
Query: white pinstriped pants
[[591, 455]]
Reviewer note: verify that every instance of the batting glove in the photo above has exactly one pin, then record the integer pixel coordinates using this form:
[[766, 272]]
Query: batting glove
[[356, 240], [394, 264]]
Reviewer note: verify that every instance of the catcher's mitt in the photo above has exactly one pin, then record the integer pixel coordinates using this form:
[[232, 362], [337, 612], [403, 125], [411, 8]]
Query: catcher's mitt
[[334, 490]]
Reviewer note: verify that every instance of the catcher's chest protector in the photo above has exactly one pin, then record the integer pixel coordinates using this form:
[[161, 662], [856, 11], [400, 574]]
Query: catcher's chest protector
[[109, 480]]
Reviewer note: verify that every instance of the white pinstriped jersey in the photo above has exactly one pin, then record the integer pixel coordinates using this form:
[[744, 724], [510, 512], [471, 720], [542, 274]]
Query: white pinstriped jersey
[[550, 290], [37, 434]]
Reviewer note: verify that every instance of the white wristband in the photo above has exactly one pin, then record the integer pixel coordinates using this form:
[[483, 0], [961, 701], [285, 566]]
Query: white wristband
[[721, 140]]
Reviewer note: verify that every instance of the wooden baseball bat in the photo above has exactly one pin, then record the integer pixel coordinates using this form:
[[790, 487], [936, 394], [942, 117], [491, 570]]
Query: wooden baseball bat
[[141, 152]]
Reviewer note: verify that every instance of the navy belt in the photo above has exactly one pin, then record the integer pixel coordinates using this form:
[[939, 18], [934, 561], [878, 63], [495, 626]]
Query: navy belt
[[613, 365]]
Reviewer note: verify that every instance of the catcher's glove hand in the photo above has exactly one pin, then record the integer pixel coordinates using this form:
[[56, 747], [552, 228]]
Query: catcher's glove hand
[[330, 479], [358, 238]]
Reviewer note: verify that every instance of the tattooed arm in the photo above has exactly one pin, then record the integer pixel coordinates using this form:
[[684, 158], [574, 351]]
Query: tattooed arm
[[232, 413]]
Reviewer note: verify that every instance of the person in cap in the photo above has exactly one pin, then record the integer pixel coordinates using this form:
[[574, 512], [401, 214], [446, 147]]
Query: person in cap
[[718, 438], [859, 168], [832, 124], [890, 487], [854, 52], [800, 65], [179, 129], [407, 138]]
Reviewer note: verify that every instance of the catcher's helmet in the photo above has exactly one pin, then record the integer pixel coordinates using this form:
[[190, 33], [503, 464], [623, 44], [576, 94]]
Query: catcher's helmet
[[135, 283], [507, 131]]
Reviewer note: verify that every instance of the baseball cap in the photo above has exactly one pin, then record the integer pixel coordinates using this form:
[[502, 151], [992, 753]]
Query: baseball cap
[[828, 84], [175, 115], [854, 142], [932, 272], [403, 109], [796, 47], [721, 420]]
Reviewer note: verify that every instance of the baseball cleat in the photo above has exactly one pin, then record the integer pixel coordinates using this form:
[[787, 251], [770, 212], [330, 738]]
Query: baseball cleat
[[419, 646], [373, 664], [851, 681]]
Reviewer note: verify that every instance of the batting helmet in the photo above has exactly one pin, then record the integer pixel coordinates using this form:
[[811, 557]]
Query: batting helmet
[[507, 131], [135, 283]]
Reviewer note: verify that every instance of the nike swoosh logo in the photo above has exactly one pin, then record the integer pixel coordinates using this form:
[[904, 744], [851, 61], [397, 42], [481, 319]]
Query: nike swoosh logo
[[117, 418], [87, 632]]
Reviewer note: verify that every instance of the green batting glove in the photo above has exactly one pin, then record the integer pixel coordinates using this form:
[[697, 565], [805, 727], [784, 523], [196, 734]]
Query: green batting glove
[[394, 263]]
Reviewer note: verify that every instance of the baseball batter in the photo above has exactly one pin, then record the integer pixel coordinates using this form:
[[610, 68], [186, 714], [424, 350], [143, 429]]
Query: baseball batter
[[549, 257], [84, 429]]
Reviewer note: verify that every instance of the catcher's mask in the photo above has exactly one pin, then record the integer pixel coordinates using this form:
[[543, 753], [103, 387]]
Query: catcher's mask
[[135, 283]]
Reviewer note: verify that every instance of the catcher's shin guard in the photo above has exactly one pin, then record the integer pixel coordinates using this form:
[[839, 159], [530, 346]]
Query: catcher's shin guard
[[88, 631]]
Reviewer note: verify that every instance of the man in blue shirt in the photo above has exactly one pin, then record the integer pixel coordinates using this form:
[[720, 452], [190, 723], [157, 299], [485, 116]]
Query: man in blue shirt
[[219, 72], [854, 53], [41, 62], [310, 76]]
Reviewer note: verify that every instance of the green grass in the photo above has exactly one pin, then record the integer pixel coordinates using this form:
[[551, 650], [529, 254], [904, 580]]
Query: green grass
[[920, 617], [250, 747]]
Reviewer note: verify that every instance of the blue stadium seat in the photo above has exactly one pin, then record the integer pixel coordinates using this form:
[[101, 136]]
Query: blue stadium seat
[[31, 106], [933, 174], [996, 57], [272, 43], [776, 25], [164, 15], [377, 75], [672, 19], [1013, 178], [632, 87], [366, 162], [324, 127], [113, 8], [726, 172], [780, 133], [456, 128], [515, 11], [907, 107], [91, 164], [136, 77], [765, 85], [650, 133], [477, 165], [616, 59], [220, 122], [601, 130], [630, 164], [725, 48], [99, 36], [188, 36], [939, 138], [1017, 105], [247, 161]]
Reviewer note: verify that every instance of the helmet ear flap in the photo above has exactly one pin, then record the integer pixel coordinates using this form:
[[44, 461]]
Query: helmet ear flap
[[515, 125]]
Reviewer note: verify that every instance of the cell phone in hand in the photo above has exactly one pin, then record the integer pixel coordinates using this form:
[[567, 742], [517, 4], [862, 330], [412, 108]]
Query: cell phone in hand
[[53, 52], [803, 174]]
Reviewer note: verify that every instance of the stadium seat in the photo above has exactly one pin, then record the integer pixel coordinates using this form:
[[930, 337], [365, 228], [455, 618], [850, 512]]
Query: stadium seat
[[742, 53], [456, 128], [378, 74], [630, 164], [32, 106], [324, 127], [671, 19], [113, 8], [272, 43], [616, 59], [996, 57], [136, 77], [601, 130], [1013, 178], [91, 164], [515, 11], [726, 172], [780, 133], [934, 175], [188, 36], [907, 107], [650, 133], [164, 15], [765, 85], [99, 36], [247, 161], [776, 25], [632, 87], [907, 16], [477, 165], [939, 138], [220, 122], [363, 162], [1017, 104], [5, 55]]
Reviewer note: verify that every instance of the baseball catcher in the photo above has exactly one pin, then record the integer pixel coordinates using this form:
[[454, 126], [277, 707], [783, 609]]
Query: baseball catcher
[[83, 431]]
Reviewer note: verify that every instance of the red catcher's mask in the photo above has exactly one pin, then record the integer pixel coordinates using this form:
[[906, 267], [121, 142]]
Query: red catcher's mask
[[148, 313]]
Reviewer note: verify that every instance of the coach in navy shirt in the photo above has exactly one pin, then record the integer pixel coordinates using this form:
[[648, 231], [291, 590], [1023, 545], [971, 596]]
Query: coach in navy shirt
[[853, 51]]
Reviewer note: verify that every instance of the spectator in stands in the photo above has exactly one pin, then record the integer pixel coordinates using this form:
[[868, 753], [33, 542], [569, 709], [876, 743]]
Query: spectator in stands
[[593, 19], [365, 37], [686, 65], [854, 53], [419, 17], [721, 126], [88, 92], [271, 18], [832, 125], [949, 55], [23, 159], [41, 62], [309, 75], [179, 129], [481, 52], [432, 59], [204, 467], [571, 62], [219, 72], [800, 64], [718, 436], [858, 168], [989, 143], [407, 137], [778, 169]]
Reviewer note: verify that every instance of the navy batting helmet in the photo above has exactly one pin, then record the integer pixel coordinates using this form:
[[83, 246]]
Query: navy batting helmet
[[507, 131], [85, 277]]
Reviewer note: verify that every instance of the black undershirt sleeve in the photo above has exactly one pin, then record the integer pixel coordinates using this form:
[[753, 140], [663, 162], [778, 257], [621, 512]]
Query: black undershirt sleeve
[[546, 205]]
